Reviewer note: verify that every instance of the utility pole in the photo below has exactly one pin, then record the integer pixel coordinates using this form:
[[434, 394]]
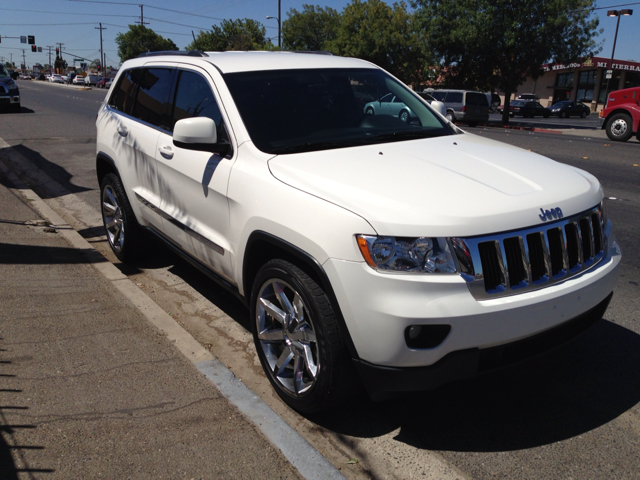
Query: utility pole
[[50, 64], [24, 61], [101, 51], [142, 22]]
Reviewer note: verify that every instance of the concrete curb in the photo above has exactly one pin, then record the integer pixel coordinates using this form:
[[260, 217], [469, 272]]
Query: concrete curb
[[302, 455]]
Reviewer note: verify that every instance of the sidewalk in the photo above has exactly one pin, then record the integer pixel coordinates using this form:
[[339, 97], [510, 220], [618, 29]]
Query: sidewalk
[[89, 388]]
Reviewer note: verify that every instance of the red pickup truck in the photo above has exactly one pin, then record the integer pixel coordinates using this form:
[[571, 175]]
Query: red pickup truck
[[621, 117]]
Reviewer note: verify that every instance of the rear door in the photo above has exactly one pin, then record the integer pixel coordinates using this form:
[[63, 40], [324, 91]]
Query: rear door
[[135, 145]]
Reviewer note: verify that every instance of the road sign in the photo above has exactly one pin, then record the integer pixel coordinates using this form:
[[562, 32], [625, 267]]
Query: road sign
[[23, 39], [609, 74], [31, 39], [40, 49], [77, 59]]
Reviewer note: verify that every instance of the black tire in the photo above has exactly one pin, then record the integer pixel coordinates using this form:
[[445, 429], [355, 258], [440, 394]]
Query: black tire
[[583, 114], [370, 111], [451, 116], [472, 124], [309, 347], [123, 231], [563, 115], [619, 127], [404, 116], [16, 108]]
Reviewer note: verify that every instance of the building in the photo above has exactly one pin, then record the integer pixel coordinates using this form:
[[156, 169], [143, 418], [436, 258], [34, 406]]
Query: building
[[583, 81]]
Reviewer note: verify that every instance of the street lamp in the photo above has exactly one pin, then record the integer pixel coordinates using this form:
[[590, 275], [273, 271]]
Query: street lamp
[[615, 13], [270, 17]]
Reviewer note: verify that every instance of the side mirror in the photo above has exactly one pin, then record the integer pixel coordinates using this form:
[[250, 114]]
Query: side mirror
[[439, 107], [196, 133]]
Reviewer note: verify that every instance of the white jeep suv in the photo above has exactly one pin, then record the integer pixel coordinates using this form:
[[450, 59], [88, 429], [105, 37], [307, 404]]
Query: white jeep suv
[[396, 254]]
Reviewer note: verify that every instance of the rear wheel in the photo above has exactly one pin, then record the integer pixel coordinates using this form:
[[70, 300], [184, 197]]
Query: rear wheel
[[123, 232], [583, 114], [450, 116], [369, 111], [297, 338], [404, 116], [619, 127]]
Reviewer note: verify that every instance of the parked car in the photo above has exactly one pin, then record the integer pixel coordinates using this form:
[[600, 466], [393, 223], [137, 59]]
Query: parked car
[[621, 116], [78, 80], [25, 77], [494, 101], [70, 77], [9, 91], [528, 96], [91, 79], [103, 82], [389, 104], [464, 105], [41, 77], [367, 249], [528, 109], [568, 108], [500, 109], [56, 78]]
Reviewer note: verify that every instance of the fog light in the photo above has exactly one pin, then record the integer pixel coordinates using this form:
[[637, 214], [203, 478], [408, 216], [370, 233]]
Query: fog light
[[425, 336]]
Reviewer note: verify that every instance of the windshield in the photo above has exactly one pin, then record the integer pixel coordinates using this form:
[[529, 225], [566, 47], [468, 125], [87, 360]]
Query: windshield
[[290, 111], [3, 71]]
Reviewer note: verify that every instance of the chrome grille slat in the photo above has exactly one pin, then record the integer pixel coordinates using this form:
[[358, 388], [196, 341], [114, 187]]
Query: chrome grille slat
[[510, 263]]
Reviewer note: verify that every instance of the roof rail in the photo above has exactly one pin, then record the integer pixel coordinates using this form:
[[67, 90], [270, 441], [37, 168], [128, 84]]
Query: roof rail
[[315, 52], [190, 53]]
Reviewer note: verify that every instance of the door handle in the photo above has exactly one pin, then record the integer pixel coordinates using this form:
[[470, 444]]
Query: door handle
[[166, 151], [123, 131]]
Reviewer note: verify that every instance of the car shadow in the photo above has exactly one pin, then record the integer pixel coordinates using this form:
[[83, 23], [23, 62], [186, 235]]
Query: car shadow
[[579, 387]]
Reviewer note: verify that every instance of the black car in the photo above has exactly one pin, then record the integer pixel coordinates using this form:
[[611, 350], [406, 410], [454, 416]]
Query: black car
[[567, 108], [528, 109], [9, 91]]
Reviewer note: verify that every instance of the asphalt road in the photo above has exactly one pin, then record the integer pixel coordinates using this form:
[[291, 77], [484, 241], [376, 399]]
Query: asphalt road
[[571, 414]]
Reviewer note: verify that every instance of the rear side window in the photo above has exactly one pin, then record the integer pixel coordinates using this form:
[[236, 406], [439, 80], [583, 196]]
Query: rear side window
[[478, 99], [194, 98], [439, 96], [454, 97], [124, 92], [152, 101]]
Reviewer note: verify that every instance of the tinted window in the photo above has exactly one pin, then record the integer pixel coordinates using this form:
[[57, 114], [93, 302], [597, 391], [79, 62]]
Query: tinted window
[[478, 99], [194, 98], [439, 96], [152, 101], [454, 97], [124, 92]]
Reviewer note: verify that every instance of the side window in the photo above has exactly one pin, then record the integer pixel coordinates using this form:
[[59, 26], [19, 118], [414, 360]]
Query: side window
[[124, 92], [454, 97], [152, 102], [439, 96], [194, 98]]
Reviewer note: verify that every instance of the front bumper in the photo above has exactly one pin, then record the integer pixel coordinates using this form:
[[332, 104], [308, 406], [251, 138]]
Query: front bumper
[[601, 121], [381, 381], [9, 99], [379, 307]]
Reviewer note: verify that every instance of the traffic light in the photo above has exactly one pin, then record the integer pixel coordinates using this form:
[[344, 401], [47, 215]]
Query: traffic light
[[34, 48], [57, 51], [98, 67]]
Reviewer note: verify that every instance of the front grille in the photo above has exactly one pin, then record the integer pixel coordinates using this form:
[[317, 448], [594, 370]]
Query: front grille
[[514, 262]]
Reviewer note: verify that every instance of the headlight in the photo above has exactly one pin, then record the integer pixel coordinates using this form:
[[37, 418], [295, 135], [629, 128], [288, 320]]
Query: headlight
[[12, 85], [422, 254]]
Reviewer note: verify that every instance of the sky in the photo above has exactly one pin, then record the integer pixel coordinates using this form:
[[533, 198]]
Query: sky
[[75, 24]]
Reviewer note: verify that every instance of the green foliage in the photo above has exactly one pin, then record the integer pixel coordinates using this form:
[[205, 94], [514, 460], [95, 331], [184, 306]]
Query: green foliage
[[140, 39], [314, 28], [489, 44], [239, 35], [9, 65], [60, 65], [386, 36]]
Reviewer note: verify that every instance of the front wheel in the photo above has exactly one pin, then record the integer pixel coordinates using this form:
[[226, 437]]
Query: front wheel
[[123, 232], [369, 111], [583, 114], [563, 115], [404, 116], [298, 338], [619, 127], [451, 117]]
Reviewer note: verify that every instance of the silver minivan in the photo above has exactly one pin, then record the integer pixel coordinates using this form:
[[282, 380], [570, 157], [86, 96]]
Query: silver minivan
[[464, 105]]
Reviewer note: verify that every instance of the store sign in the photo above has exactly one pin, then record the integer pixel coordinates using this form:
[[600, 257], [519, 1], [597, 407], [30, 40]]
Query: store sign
[[592, 62]]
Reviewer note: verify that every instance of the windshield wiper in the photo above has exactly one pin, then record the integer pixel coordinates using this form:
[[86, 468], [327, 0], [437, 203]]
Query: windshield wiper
[[406, 135], [310, 147]]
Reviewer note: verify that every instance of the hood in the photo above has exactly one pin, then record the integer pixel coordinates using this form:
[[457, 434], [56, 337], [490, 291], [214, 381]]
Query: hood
[[458, 185], [4, 80]]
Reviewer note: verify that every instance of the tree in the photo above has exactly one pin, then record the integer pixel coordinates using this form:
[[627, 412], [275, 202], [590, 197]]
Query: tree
[[238, 34], [386, 36], [312, 29], [60, 65], [489, 44], [140, 39]]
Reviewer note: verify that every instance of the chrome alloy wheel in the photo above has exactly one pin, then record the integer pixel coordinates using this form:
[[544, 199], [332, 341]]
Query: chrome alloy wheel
[[287, 338], [619, 127], [113, 219]]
